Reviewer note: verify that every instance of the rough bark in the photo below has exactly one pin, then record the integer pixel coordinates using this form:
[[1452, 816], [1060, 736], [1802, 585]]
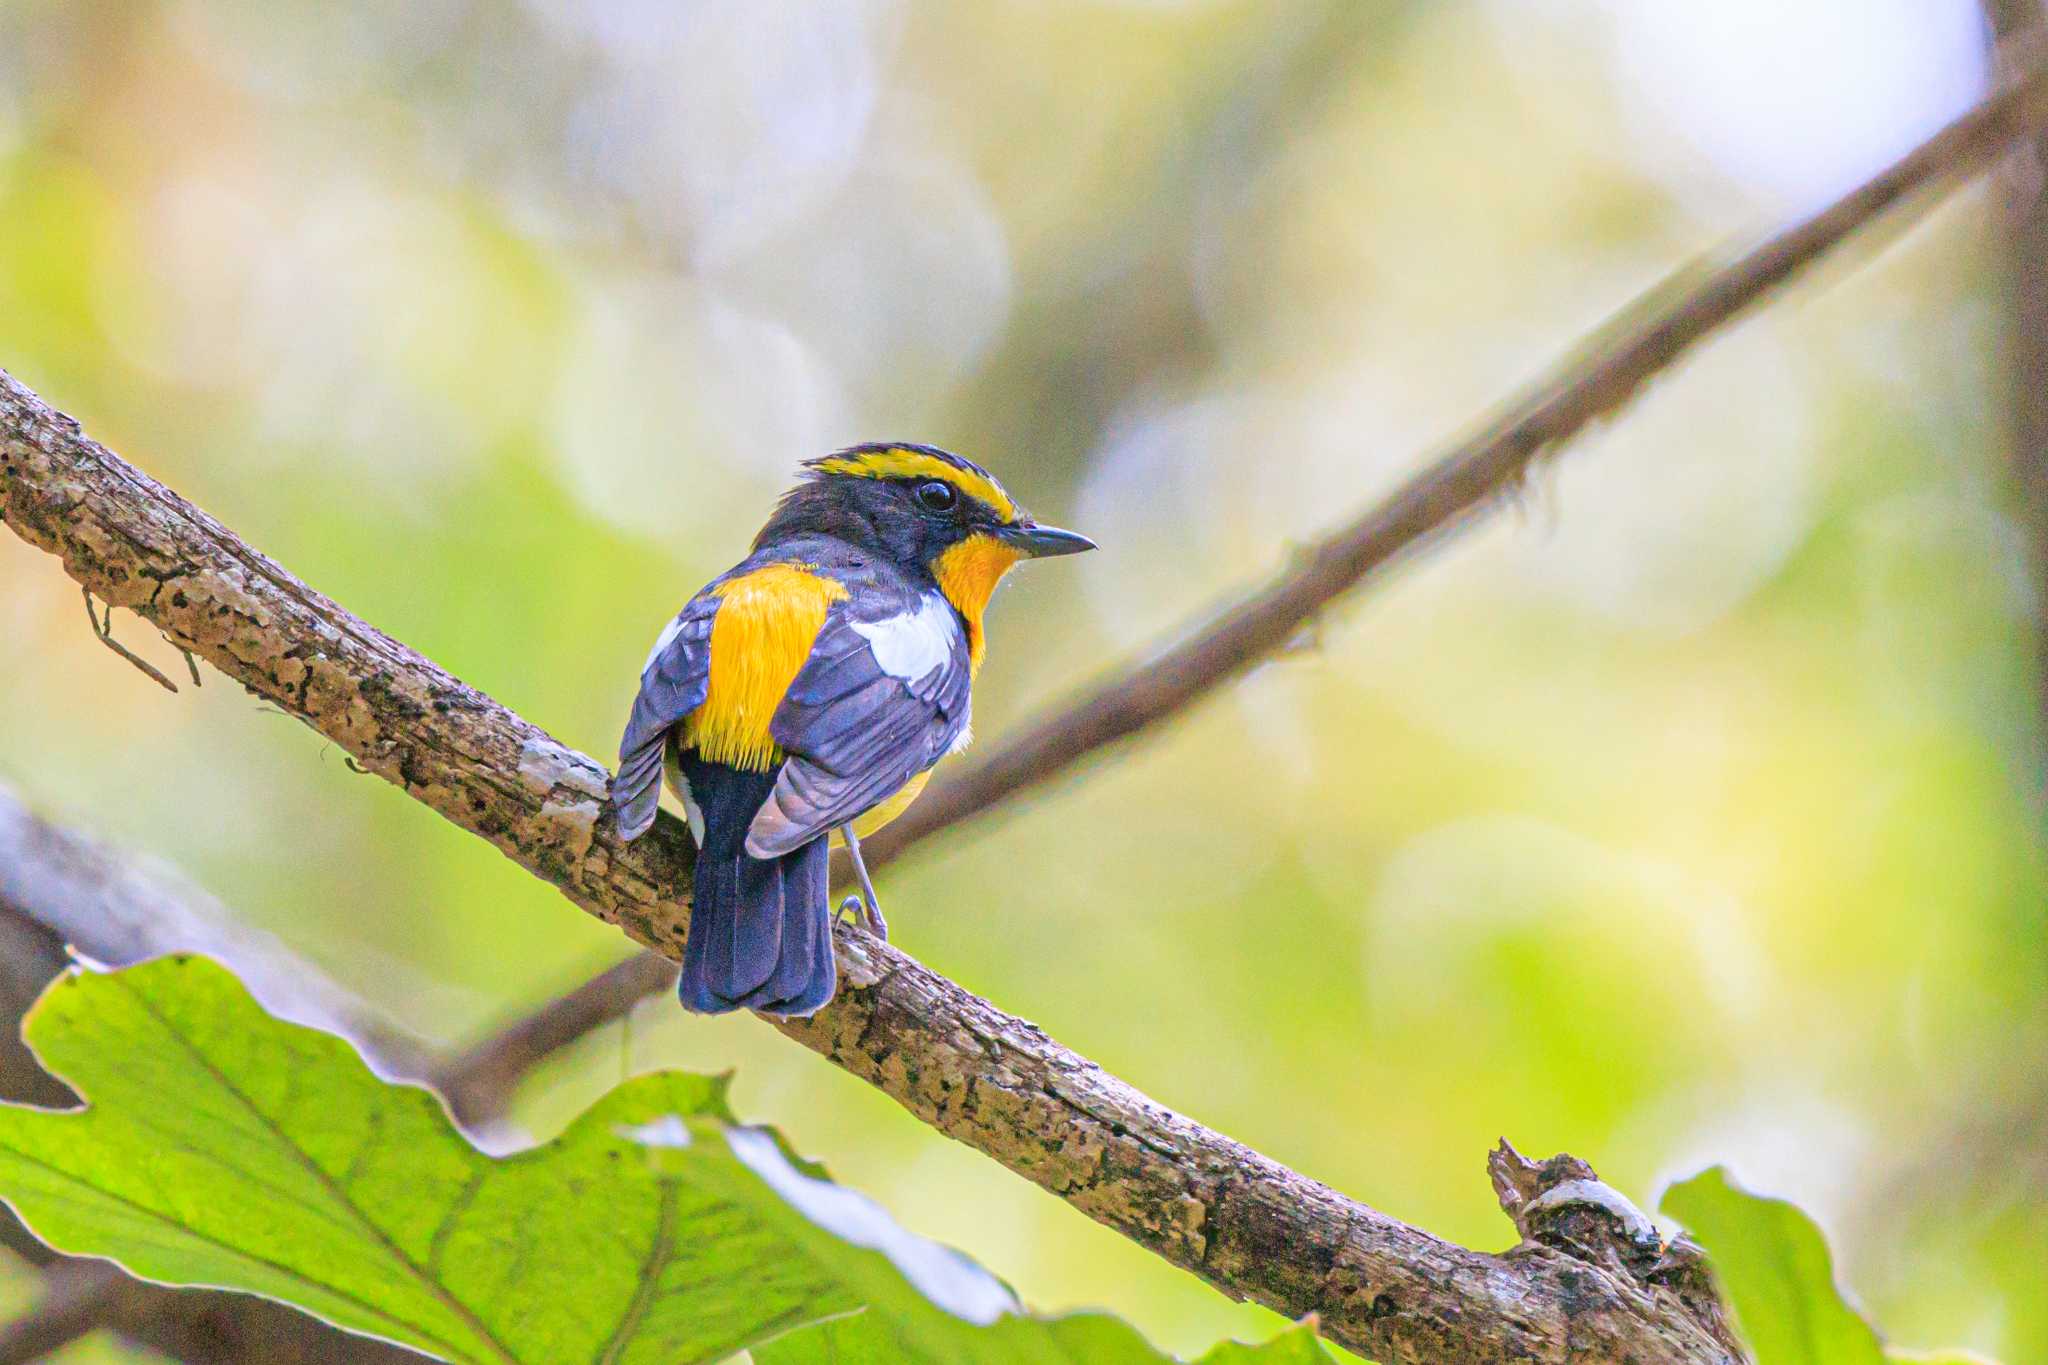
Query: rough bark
[[1596, 378], [1245, 1224]]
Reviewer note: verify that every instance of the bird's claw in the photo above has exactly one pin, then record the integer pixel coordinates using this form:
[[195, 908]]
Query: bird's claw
[[859, 910]]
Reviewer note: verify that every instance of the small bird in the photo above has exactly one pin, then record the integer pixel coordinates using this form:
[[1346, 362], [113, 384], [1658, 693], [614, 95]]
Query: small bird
[[807, 692]]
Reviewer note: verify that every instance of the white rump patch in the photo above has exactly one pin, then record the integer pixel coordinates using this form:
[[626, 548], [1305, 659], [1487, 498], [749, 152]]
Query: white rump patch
[[672, 769], [913, 644]]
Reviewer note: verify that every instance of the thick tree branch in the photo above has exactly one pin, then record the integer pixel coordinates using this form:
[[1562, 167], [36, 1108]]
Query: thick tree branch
[[1246, 1224], [1595, 380], [1242, 1222]]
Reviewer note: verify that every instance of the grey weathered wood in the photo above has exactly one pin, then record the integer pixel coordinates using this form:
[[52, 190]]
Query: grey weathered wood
[[1246, 1224]]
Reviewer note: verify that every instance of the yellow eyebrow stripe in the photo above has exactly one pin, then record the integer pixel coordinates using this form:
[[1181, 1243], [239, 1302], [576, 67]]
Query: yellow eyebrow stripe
[[767, 622], [900, 463]]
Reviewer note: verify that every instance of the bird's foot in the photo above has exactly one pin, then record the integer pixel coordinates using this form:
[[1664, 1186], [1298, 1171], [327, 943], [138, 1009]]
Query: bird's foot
[[859, 910]]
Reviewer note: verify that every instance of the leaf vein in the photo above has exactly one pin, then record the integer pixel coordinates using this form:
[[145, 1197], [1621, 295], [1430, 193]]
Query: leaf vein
[[435, 1289], [650, 1276], [418, 1332]]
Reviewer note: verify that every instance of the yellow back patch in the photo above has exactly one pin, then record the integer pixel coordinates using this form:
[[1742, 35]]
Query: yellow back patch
[[968, 573], [767, 622], [899, 462]]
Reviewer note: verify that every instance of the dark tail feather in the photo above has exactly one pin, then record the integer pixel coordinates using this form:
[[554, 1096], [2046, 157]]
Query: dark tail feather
[[760, 933]]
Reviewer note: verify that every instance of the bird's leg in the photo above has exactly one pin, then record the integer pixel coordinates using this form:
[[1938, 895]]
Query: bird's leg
[[870, 908]]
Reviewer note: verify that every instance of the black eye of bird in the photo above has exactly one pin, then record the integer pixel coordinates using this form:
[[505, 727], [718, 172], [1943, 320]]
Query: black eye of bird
[[936, 494]]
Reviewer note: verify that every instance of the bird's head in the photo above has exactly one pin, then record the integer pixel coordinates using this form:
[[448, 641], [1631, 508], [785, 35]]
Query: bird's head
[[920, 505]]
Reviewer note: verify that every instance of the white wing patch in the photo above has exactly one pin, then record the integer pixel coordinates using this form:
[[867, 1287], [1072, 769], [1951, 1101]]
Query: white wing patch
[[913, 644], [668, 632]]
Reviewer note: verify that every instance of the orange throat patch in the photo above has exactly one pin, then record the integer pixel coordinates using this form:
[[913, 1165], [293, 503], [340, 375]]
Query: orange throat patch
[[968, 574], [767, 622]]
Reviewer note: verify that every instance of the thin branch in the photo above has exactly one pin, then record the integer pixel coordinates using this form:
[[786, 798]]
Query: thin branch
[[78, 1296], [113, 907], [479, 1083], [1997, 1141], [1595, 380], [103, 631], [2023, 195], [1244, 1223]]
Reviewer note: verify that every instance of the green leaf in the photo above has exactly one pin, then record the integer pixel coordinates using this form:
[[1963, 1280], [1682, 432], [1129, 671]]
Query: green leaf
[[1076, 1339], [1773, 1266], [220, 1146], [223, 1147], [1295, 1346]]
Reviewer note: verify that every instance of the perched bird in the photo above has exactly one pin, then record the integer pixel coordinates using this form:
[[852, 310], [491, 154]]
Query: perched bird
[[807, 692]]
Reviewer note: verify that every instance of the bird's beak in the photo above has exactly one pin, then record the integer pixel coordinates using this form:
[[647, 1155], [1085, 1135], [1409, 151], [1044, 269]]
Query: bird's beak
[[1040, 542]]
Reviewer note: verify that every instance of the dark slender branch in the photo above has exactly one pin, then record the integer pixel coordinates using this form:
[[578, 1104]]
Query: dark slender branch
[[479, 1083], [115, 908], [1244, 1223], [103, 631], [1997, 1139], [78, 1296], [2023, 197], [1595, 380]]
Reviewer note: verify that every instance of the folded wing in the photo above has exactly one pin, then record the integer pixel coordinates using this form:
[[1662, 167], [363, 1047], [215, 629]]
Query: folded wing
[[878, 702], [673, 684]]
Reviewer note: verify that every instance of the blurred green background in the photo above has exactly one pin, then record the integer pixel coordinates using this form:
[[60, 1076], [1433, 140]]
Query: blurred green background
[[1688, 810]]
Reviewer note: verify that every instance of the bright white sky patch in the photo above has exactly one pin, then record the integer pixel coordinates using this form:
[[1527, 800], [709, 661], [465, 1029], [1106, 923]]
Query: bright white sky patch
[[1798, 100]]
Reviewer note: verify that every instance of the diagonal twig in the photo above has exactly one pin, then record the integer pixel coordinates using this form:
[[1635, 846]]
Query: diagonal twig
[[1597, 378], [103, 631], [1244, 1223], [78, 1296], [478, 1083]]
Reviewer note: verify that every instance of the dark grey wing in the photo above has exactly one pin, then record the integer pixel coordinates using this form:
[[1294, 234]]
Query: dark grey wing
[[876, 704], [672, 685]]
